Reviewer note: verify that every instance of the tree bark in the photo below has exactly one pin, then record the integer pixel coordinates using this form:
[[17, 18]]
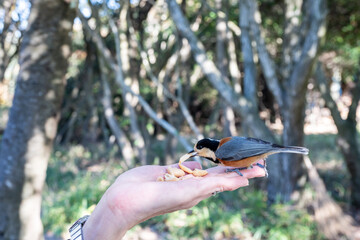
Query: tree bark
[[32, 125]]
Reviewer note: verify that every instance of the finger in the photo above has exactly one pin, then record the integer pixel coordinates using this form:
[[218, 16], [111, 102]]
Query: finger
[[249, 173], [143, 173], [196, 189], [152, 172], [217, 169], [222, 183], [256, 171]]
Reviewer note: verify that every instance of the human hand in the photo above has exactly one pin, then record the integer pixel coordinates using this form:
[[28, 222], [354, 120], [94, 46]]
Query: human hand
[[136, 196]]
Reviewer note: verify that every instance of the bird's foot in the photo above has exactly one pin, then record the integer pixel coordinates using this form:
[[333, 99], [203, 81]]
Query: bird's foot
[[264, 167], [260, 165], [237, 170]]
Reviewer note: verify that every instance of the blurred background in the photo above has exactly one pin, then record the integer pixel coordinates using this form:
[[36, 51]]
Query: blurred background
[[90, 89]]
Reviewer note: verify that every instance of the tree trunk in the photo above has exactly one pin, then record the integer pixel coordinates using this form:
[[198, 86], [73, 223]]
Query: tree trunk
[[28, 138], [350, 150], [290, 165], [347, 139]]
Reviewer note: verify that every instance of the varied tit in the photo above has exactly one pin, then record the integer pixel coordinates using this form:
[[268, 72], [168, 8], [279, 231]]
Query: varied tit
[[239, 152]]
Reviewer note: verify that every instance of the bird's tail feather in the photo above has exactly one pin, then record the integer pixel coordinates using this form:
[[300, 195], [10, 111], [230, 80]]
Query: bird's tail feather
[[292, 149]]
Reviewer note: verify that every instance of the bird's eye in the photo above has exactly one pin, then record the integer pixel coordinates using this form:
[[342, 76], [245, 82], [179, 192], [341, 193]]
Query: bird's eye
[[199, 147]]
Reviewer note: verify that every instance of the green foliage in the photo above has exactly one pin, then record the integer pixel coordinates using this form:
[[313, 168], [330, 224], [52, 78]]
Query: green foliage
[[343, 34], [71, 192], [238, 214]]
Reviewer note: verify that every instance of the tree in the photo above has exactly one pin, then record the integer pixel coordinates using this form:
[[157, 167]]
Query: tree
[[28, 138]]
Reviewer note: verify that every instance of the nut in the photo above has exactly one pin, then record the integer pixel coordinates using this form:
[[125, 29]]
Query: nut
[[199, 172], [160, 179], [176, 174], [186, 169], [175, 171], [169, 178]]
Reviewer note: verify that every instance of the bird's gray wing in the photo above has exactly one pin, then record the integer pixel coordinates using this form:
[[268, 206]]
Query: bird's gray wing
[[240, 147]]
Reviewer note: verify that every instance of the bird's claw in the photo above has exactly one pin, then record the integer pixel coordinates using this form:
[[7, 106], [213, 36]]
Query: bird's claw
[[264, 167], [237, 170]]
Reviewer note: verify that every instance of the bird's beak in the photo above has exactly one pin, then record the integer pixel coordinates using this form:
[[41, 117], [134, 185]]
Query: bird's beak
[[190, 154]]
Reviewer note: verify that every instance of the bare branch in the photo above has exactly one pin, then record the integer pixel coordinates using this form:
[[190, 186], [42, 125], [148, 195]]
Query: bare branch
[[250, 91], [222, 31], [323, 86], [154, 79], [310, 47], [267, 64], [291, 48], [121, 139], [234, 70]]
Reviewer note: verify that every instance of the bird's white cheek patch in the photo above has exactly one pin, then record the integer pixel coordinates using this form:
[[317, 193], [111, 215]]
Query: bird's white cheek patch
[[205, 152]]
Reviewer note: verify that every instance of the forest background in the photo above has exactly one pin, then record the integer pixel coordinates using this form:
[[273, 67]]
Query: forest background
[[90, 89]]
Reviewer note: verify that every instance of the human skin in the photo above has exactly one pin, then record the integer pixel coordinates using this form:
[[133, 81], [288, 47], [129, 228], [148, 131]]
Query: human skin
[[136, 196]]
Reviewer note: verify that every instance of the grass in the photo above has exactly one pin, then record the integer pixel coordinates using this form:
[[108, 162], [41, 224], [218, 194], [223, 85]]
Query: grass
[[70, 191], [240, 214], [76, 181]]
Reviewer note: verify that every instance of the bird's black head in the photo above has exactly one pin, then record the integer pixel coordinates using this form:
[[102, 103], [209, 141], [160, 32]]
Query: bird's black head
[[209, 143]]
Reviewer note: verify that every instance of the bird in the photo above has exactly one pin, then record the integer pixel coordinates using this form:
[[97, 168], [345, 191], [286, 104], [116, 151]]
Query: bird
[[239, 152]]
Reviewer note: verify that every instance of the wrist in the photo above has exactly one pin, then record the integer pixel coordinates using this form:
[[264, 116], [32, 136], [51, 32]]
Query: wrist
[[75, 230], [103, 223]]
